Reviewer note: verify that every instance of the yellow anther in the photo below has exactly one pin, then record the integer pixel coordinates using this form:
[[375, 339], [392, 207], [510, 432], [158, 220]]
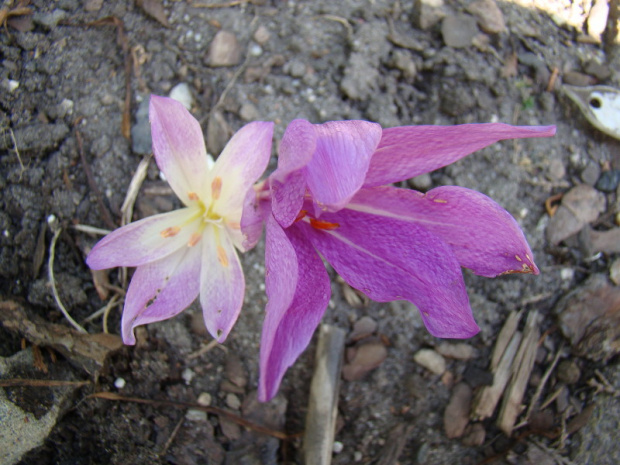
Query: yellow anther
[[440, 201], [216, 188], [221, 255], [518, 258], [193, 240], [170, 232]]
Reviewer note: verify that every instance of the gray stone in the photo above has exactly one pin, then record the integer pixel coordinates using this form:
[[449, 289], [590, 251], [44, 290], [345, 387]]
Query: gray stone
[[429, 13], [489, 16], [28, 414], [49, 20], [141, 130], [224, 50], [458, 31], [591, 173]]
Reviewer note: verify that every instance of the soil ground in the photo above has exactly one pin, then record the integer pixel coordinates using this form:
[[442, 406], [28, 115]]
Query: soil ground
[[66, 71]]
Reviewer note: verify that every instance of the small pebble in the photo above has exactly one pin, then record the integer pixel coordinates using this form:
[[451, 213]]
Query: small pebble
[[567, 274], [119, 383], [614, 271], [261, 36], [430, 360], [568, 372], [204, 399], [338, 447], [233, 401], [357, 456], [609, 180], [196, 415], [187, 375]]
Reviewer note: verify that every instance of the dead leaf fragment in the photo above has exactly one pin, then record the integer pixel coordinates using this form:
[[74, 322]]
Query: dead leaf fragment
[[456, 415], [87, 351]]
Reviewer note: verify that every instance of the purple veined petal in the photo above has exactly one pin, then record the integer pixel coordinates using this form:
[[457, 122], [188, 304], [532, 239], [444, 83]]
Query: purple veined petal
[[287, 197], [389, 259], [222, 284], [408, 151], [288, 182], [179, 147], [161, 290], [145, 241], [298, 290], [256, 208], [239, 166], [340, 162], [484, 237]]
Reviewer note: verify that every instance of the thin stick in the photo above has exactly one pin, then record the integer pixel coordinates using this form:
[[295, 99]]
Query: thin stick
[[185, 405], [543, 382], [323, 405], [53, 223], [173, 435], [134, 188], [40, 382], [101, 311], [219, 5], [91, 229], [22, 168]]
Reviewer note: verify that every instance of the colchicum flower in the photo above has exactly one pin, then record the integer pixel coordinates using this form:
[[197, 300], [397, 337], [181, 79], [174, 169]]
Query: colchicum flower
[[191, 251], [329, 195]]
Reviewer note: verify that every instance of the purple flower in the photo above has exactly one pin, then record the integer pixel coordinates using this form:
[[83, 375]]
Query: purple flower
[[329, 195], [191, 251]]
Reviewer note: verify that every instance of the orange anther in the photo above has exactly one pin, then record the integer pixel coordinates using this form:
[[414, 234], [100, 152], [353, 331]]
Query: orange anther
[[170, 232], [193, 240], [216, 188], [221, 255], [301, 215], [192, 196], [325, 225]]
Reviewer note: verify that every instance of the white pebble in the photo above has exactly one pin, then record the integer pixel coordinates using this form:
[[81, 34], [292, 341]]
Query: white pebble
[[358, 456], [119, 383], [430, 360], [567, 274], [204, 399], [12, 85], [196, 415], [337, 447], [233, 401], [256, 50], [187, 375], [182, 93]]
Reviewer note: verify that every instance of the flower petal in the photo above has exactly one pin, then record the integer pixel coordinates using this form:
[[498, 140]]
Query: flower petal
[[340, 161], [298, 290], [408, 151], [179, 147], [143, 241], [288, 182], [389, 259], [222, 284], [240, 164], [161, 290], [255, 212], [484, 237]]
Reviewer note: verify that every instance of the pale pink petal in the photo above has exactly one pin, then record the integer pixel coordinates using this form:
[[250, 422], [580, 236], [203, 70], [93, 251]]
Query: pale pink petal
[[222, 285], [256, 208], [161, 290], [408, 151], [389, 259], [340, 162], [178, 145], [240, 165], [298, 291], [484, 237], [144, 241]]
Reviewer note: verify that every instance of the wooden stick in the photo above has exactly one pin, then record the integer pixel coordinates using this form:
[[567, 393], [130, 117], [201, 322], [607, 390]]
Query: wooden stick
[[323, 404]]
